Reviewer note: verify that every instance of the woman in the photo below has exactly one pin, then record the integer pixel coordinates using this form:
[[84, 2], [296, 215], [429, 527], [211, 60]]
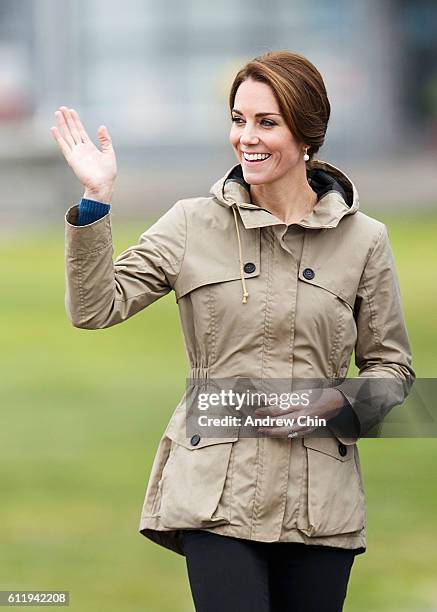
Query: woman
[[278, 277]]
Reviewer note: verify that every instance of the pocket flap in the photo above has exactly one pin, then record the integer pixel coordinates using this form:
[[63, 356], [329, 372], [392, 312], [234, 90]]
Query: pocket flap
[[220, 264], [331, 446], [216, 274], [197, 441], [326, 281], [177, 431]]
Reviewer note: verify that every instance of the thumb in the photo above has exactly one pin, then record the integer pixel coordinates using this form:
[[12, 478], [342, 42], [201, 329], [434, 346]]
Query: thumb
[[104, 138]]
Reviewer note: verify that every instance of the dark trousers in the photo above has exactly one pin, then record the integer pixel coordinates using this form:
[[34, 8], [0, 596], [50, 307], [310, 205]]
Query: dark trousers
[[231, 574]]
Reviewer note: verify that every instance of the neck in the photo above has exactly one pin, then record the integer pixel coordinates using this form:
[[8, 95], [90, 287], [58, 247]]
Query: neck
[[289, 198]]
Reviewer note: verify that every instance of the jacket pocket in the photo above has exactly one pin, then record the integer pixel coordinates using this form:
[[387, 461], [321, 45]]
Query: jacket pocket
[[332, 497], [219, 263], [193, 481], [209, 298], [326, 316]]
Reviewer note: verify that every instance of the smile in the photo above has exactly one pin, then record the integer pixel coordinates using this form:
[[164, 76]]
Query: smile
[[255, 158]]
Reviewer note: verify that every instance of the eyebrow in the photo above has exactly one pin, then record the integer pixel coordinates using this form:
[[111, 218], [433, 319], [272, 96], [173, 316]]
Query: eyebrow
[[234, 110]]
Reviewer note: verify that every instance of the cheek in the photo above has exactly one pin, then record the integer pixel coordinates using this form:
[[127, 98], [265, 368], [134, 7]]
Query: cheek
[[233, 137], [290, 156], [289, 152], [285, 145]]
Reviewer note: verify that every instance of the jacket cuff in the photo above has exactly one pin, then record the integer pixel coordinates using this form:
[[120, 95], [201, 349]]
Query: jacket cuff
[[86, 239], [371, 399], [346, 425]]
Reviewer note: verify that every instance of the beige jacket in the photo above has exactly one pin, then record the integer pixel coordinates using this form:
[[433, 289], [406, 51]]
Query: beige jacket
[[256, 299]]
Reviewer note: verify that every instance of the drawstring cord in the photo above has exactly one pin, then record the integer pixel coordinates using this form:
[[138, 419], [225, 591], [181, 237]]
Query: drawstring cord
[[240, 251]]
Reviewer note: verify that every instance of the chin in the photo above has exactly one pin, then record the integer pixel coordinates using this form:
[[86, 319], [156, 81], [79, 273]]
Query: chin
[[256, 178]]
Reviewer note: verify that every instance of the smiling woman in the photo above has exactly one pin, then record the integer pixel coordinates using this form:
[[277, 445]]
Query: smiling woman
[[258, 270], [269, 142]]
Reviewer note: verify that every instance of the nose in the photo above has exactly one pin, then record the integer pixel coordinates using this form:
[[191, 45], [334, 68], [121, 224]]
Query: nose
[[248, 136]]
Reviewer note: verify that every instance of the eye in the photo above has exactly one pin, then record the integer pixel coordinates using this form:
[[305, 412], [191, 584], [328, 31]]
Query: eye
[[265, 122]]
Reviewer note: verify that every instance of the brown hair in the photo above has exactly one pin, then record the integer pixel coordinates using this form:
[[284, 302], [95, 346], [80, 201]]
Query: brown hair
[[299, 90]]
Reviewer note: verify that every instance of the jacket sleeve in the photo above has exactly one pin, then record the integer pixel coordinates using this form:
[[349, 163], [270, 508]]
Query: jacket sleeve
[[101, 292], [382, 349]]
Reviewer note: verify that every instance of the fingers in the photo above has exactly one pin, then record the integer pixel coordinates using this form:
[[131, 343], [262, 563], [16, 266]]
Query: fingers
[[275, 432], [70, 130], [71, 125], [275, 410], [61, 142], [104, 138], [283, 432], [63, 128], [79, 127]]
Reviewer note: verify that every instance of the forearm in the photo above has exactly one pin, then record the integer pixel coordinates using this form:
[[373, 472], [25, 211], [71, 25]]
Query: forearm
[[345, 423], [101, 292], [89, 271]]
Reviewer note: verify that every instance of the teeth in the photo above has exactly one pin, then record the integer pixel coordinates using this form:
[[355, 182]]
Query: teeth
[[255, 156]]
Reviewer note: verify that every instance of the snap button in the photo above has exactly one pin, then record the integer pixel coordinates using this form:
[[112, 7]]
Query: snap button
[[249, 267], [342, 449], [195, 439], [309, 273]]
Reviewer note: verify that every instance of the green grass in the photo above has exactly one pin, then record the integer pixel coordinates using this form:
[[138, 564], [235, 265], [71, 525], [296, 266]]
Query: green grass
[[82, 413]]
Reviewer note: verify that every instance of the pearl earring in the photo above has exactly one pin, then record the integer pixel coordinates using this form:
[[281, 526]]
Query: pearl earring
[[306, 156]]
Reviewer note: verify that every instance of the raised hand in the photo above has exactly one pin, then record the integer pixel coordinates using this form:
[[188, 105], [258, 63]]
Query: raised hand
[[95, 168]]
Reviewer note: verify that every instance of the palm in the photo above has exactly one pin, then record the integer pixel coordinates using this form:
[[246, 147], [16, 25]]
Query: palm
[[93, 167]]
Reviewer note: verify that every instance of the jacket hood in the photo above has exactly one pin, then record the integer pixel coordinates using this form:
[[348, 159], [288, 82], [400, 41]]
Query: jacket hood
[[337, 196]]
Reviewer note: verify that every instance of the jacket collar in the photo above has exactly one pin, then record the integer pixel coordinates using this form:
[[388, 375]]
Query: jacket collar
[[337, 197]]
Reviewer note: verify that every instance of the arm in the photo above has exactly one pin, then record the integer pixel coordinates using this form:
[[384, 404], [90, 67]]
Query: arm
[[346, 422], [101, 292], [382, 350]]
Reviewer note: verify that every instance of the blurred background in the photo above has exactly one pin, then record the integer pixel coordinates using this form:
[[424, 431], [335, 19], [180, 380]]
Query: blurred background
[[157, 74], [82, 411]]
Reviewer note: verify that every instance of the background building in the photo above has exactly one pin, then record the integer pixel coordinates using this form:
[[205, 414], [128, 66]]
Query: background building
[[158, 75]]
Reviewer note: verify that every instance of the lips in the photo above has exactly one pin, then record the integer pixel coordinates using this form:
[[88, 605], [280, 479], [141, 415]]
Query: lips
[[255, 161]]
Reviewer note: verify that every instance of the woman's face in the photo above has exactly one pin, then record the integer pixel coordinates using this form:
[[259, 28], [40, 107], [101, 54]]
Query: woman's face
[[268, 134]]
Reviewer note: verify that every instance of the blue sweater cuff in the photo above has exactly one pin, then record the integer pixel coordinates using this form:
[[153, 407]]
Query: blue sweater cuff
[[91, 210]]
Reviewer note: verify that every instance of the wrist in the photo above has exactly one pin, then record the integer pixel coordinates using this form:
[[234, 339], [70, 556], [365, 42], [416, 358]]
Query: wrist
[[336, 404], [103, 195]]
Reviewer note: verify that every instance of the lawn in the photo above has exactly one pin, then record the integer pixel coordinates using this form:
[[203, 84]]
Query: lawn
[[82, 413]]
